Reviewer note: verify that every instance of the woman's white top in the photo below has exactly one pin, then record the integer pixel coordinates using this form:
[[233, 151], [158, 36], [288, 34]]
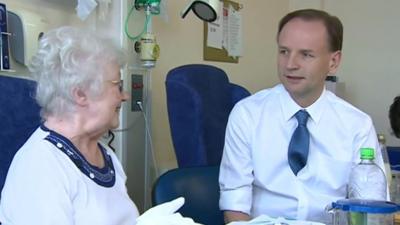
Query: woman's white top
[[50, 182]]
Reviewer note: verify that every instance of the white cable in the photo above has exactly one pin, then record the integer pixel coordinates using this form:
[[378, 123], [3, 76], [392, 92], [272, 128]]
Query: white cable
[[124, 128], [129, 126], [149, 179], [153, 157]]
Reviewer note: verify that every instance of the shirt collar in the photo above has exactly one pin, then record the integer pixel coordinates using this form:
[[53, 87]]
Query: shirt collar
[[290, 107]]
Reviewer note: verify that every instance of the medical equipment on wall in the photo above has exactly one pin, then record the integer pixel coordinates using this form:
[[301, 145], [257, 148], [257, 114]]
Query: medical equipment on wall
[[5, 57], [148, 49], [145, 43], [152, 5], [25, 28], [204, 9]]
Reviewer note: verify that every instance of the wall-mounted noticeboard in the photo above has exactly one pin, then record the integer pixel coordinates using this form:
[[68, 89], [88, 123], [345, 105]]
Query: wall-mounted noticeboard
[[220, 54]]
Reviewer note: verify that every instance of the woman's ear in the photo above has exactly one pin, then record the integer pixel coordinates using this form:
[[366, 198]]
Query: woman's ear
[[335, 61], [80, 97]]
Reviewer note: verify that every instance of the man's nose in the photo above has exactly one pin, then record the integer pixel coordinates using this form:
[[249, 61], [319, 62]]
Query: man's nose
[[292, 62]]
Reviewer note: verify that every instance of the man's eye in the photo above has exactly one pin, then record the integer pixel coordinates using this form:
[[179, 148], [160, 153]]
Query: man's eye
[[308, 55], [283, 51]]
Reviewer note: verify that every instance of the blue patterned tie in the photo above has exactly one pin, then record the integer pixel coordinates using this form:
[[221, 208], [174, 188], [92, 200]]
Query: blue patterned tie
[[298, 146]]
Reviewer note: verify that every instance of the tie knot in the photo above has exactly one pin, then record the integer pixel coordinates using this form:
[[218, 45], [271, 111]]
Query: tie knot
[[302, 117]]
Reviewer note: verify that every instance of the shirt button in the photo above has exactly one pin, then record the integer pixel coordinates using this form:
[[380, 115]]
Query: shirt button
[[59, 145], [112, 171], [91, 175]]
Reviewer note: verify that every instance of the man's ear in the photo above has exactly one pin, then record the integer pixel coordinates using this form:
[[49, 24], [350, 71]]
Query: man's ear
[[335, 61], [80, 97]]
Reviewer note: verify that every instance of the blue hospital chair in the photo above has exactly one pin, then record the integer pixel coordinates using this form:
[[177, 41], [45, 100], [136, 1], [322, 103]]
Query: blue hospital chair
[[199, 186], [19, 117], [394, 156], [199, 100]]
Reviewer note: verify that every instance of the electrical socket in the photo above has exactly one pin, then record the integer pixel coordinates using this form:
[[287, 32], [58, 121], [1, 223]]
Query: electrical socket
[[137, 91]]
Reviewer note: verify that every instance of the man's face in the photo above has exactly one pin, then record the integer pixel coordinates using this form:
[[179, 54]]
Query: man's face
[[304, 59]]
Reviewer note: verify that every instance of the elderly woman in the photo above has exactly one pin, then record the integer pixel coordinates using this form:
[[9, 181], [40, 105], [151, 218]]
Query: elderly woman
[[63, 175]]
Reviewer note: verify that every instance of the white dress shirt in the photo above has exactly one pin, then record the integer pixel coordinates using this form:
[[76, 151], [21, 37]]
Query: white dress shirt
[[255, 177], [45, 187]]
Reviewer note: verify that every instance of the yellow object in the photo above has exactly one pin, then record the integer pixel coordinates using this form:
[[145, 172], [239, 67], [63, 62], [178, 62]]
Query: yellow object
[[149, 49]]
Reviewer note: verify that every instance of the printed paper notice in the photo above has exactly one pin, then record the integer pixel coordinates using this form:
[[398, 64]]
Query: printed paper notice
[[215, 31], [234, 32], [225, 28]]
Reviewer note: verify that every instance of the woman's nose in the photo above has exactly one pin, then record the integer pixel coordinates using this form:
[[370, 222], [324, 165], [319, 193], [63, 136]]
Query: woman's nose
[[124, 96]]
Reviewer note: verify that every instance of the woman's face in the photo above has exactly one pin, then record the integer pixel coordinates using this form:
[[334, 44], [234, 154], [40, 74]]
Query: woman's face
[[105, 108]]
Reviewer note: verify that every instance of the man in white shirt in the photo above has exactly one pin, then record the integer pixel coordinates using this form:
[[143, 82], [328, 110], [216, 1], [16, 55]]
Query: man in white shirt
[[257, 174]]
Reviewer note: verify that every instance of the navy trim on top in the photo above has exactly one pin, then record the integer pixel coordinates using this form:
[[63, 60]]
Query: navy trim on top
[[102, 176]]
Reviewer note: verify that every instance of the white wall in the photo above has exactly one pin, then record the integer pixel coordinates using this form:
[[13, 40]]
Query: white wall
[[371, 49], [54, 12]]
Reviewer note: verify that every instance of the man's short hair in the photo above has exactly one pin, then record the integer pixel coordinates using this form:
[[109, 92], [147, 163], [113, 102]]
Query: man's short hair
[[332, 24]]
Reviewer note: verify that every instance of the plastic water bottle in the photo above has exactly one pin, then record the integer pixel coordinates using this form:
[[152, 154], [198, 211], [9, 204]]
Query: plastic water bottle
[[367, 180], [385, 156]]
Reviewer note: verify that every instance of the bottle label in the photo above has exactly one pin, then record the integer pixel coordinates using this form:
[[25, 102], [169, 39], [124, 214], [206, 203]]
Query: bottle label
[[357, 218]]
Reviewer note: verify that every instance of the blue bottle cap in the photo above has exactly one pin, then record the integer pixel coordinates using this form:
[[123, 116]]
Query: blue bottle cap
[[365, 206]]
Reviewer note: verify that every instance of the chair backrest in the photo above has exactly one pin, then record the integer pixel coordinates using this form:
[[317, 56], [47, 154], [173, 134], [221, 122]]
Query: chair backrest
[[19, 117], [199, 100], [199, 186], [394, 156]]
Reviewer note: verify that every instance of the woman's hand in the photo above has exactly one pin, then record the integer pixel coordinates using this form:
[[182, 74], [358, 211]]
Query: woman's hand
[[165, 214]]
